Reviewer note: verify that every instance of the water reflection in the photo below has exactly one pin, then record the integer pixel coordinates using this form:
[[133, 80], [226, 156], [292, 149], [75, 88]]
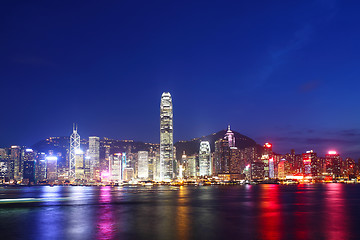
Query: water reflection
[[270, 216], [216, 212], [182, 215], [336, 220], [105, 226], [50, 220]]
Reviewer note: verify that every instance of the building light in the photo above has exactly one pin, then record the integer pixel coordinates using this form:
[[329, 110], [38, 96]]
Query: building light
[[268, 145], [78, 151], [51, 158], [332, 152]]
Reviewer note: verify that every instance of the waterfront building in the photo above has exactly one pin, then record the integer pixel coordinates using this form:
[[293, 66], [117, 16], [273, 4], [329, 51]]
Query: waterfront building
[[87, 166], [317, 166], [41, 167], [166, 137], [235, 161], [284, 169], [51, 168], [153, 162], [128, 174], [3, 165], [184, 164], [29, 166], [15, 168], [268, 160], [230, 137], [116, 167], [192, 166], [143, 164], [257, 170], [205, 163], [308, 161], [94, 154], [349, 168], [222, 156], [79, 165], [333, 164], [74, 146]]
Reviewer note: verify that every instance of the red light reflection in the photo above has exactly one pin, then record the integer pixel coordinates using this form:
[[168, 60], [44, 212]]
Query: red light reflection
[[270, 217], [336, 224]]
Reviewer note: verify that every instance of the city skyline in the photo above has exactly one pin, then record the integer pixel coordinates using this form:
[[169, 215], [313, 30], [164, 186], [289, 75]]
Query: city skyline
[[179, 119], [321, 151], [272, 72]]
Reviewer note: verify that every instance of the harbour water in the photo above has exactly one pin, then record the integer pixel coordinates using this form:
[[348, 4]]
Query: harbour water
[[324, 211]]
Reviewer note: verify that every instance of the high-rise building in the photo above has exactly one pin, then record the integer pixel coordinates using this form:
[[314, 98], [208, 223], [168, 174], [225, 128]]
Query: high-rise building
[[94, 154], [235, 161], [79, 165], [333, 164], [51, 168], [268, 161], [192, 166], [87, 166], [41, 167], [74, 146], [3, 165], [29, 161], [205, 162], [116, 167], [284, 169], [166, 137], [15, 168], [143, 164], [230, 137], [308, 160], [222, 156]]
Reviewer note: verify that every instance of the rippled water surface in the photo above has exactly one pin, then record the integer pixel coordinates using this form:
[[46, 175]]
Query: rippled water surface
[[329, 211]]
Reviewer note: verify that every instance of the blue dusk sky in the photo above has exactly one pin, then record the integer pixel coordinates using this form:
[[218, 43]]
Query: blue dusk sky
[[287, 72]]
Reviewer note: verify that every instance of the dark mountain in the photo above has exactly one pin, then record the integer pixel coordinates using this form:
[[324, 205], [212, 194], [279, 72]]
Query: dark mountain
[[191, 147]]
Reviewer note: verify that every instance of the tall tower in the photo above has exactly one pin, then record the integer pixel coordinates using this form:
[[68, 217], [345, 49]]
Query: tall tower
[[166, 137], [74, 146], [205, 159], [230, 137]]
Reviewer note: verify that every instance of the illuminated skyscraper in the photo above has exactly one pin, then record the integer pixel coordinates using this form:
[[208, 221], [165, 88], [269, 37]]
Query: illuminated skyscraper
[[205, 163], [51, 168], [143, 164], [333, 164], [222, 156], [166, 137], [15, 163], [230, 137], [79, 165], [192, 166], [41, 167], [29, 161], [94, 154], [308, 161], [74, 146], [268, 161], [115, 167]]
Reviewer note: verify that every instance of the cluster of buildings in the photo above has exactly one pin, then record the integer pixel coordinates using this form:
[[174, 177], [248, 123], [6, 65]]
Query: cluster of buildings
[[99, 161]]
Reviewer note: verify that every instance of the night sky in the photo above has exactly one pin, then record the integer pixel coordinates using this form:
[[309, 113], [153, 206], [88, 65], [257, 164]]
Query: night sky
[[280, 71]]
